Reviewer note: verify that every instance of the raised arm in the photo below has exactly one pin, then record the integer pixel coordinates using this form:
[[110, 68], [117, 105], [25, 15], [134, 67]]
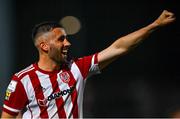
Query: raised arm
[[124, 44]]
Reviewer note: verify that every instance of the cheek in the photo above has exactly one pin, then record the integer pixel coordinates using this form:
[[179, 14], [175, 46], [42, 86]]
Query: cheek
[[55, 46], [54, 49]]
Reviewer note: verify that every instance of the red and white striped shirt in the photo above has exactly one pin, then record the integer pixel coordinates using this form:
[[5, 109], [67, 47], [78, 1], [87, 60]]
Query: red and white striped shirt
[[57, 94]]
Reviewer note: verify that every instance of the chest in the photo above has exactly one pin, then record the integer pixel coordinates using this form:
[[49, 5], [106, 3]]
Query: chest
[[54, 82], [50, 87]]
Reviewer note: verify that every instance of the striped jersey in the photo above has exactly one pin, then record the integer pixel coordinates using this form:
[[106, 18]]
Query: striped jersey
[[56, 94]]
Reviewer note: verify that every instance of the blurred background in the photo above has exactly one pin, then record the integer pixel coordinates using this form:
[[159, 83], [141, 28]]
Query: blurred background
[[143, 83]]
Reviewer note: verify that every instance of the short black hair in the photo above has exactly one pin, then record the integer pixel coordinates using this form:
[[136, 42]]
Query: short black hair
[[44, 27]]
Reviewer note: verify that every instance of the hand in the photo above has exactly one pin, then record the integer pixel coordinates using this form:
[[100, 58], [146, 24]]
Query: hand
[[165, 18]]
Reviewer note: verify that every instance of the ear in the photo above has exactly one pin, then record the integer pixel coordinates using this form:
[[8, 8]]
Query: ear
[[44, 46]]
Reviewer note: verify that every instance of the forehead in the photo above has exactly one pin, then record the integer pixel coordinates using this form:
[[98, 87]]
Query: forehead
[[59, 31]]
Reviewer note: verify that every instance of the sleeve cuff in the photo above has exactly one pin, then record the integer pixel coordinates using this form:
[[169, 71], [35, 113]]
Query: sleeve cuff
[[10, 111]]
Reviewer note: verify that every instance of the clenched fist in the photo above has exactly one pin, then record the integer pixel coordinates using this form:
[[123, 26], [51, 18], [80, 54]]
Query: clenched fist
[[165, 18]]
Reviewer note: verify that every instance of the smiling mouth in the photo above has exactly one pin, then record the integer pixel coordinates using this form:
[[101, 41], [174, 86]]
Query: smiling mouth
[[64, 52]]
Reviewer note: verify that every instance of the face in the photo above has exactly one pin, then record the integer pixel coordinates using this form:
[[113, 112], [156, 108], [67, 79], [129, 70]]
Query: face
[[58, 45]]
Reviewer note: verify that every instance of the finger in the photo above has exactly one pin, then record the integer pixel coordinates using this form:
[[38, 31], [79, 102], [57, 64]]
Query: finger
[[173, 19], [170, 20], [170, 14], [167, 12]]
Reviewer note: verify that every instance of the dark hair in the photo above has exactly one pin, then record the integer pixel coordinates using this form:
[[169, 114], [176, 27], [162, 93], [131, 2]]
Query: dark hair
[[43, 28]]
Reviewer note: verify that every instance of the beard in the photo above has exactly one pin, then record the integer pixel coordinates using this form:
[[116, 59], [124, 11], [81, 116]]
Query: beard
[[57, 56]]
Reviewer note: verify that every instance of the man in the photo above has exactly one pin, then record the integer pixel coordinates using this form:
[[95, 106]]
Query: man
[[53, 87]]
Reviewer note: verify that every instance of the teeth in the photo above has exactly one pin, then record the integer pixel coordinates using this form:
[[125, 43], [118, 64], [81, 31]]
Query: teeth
[[64, 52]]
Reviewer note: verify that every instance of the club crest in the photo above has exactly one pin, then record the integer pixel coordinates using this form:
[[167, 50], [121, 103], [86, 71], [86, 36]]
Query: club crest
[[64, 77]]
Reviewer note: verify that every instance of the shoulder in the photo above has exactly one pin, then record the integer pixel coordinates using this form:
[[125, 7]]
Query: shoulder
[[19, 75], [86, 58], [84, 62]]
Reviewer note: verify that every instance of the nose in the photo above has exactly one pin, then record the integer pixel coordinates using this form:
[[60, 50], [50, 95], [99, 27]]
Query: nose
[[67, 43]]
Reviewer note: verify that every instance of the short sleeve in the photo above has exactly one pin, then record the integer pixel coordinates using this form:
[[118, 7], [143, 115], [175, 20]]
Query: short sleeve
[[88, 65], [15, 98]]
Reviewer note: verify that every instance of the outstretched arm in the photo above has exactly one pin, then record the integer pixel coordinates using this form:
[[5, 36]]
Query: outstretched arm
[[124, 44]]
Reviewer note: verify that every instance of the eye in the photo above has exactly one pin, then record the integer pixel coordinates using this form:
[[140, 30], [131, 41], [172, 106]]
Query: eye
[[62, 38]]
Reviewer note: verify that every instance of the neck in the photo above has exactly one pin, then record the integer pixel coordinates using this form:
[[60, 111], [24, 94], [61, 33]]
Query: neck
[[47, 64]]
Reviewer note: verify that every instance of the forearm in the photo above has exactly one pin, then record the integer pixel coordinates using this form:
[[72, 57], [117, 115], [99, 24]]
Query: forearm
[[123, 44], [134, 38]]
